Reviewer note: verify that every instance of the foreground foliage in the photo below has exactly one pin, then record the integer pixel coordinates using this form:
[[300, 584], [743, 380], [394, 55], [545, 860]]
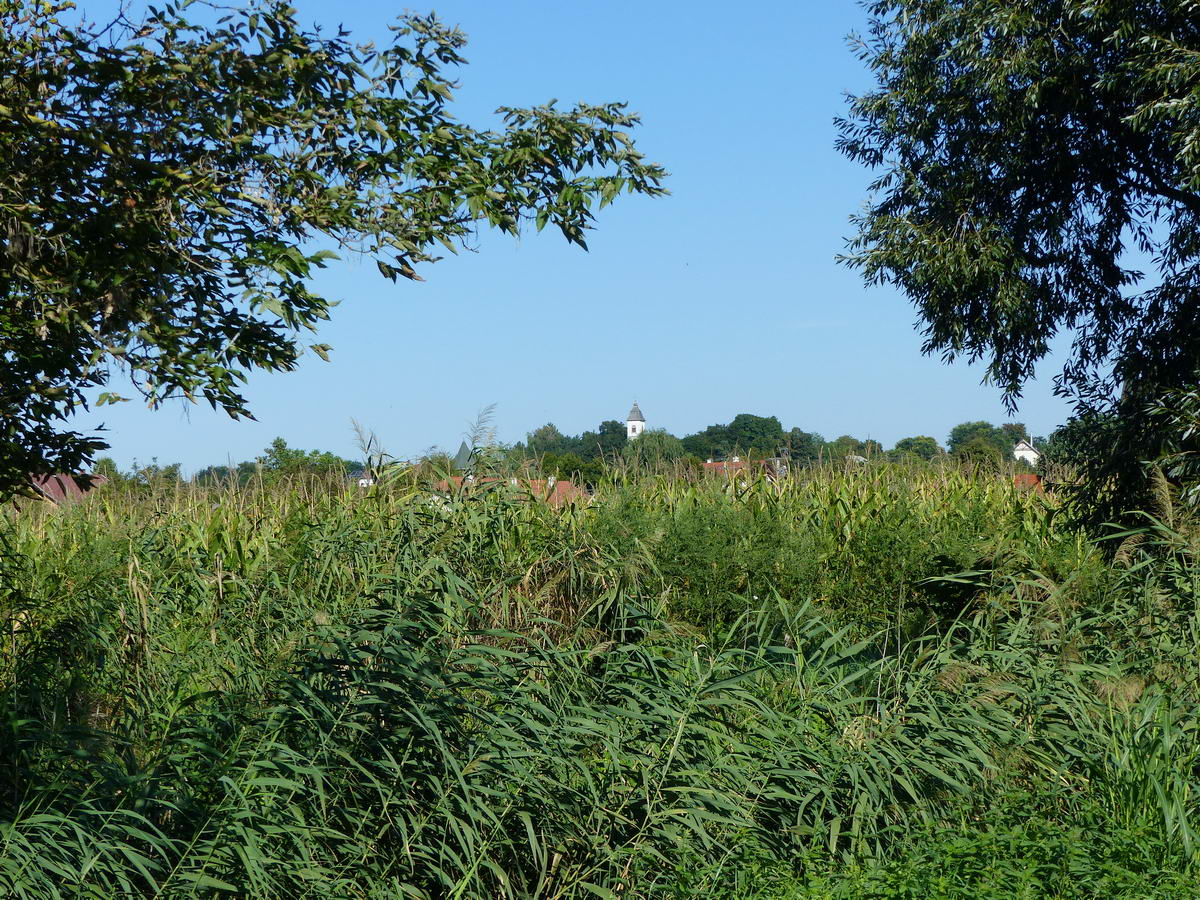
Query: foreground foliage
[[1022, 151], [678, 690]]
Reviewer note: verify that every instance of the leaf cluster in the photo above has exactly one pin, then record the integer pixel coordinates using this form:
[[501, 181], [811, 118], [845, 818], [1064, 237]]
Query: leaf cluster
[[171, 186]]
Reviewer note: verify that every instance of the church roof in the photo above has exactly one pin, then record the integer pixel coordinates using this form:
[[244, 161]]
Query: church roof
[[462, 459], [635, 414]]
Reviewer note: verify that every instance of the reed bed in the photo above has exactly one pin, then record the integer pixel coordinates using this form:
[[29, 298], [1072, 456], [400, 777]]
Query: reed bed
[[873, 683]]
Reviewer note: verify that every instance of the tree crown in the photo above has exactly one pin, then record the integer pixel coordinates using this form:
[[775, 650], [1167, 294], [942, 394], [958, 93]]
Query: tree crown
[[170, 187]]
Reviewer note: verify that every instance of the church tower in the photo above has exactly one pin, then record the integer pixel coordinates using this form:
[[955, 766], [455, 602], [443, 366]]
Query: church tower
[[635, 422]]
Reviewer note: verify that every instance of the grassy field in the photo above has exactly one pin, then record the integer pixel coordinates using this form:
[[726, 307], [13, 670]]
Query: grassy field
[[882, 683]]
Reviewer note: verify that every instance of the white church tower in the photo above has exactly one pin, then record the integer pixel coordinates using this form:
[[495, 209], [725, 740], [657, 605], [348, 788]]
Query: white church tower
[[635, 422]]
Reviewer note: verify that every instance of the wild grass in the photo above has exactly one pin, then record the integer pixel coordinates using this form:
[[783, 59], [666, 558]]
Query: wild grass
[[877, 683]]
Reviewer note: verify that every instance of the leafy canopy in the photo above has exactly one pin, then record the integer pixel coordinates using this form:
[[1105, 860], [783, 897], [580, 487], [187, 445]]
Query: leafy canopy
[[999, 437], [1025, 153], [604, 443], [756, 435], [654, 448], [804, 446], [746, 434], [848, 445], [281, 459], [922, 446], [170, 187]]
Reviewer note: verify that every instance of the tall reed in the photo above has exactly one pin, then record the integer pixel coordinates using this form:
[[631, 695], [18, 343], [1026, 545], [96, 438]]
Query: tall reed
[[671, 689]]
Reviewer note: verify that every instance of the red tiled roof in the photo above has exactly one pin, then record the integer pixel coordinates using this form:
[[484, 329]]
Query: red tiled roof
[[730, 465], [62, 488], [1027, 481], [559, 493]]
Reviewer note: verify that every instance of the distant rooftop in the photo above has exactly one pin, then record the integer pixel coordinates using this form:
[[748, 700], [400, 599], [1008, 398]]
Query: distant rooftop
[[63, 488], [635, 414]]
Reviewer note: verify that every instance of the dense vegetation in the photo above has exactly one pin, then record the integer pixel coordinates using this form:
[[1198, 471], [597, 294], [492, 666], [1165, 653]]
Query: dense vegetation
[[881, 675], [590, 456], [594, 456], [883, 682], [759, 436]]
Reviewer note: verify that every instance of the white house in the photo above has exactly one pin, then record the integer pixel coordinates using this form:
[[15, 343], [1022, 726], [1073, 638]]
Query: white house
[[635, 422], [1026, 452]]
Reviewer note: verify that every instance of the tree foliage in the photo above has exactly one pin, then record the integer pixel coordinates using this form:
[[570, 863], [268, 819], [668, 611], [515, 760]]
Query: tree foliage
[[922, 446], [170, 187], [603, 444], [746, 434], [547, 439], [240, 474], [967, 432], [847, 445], [281, 459], [804, 446], [573, 468], [979, 451], [756, 435], [654, 448], [1016, 431], [712, 442], [1026, 152]]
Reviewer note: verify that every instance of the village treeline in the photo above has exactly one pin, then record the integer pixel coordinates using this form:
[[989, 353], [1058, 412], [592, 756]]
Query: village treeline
[[752, 437], [170, 186], [595, 456]]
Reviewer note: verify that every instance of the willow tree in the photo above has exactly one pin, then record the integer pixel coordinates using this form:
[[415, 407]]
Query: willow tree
[[1038, 172], [170, 186]]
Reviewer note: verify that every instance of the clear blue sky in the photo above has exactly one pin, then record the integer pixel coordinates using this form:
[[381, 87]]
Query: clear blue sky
[[722, 298]]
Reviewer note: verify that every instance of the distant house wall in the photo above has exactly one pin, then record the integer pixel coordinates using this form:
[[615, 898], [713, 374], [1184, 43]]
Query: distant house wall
[[1026, 452], [773, 467], [65, 488], [554, 491]]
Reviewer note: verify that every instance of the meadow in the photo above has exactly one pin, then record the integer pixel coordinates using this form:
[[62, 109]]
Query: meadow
[[884, 682]]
